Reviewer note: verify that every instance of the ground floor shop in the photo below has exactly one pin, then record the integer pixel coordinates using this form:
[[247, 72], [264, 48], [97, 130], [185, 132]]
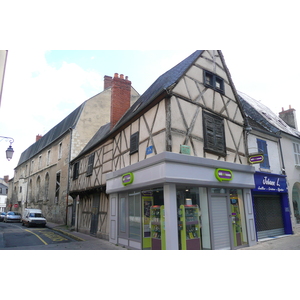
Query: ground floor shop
[[271, 205], [174, 201]]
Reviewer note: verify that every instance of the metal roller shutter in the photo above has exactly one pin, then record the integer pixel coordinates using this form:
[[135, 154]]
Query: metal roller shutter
[[220, 226], [268, 216]]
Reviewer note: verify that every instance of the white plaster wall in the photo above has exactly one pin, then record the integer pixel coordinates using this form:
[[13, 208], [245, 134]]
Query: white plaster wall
[[273, 151]]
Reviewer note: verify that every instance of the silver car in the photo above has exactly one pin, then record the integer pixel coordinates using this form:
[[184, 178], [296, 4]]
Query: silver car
[[12, 216], [2, 215]]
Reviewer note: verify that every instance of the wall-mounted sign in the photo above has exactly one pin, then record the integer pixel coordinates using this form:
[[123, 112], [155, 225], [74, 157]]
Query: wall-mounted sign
[[184, 149], [127, 179], [149, 150], [270, 183], [256, 159], [223, 175]]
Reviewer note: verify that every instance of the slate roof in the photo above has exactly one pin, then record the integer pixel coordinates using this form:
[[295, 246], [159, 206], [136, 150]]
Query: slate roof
[[265, 117], [164, 82], [52, 135]]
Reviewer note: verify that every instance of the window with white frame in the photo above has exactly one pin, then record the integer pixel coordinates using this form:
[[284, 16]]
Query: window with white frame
[[297, 153]]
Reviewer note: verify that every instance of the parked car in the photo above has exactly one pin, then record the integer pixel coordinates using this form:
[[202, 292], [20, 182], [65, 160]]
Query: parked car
[[2, 215], [33, 217], [12, 216]]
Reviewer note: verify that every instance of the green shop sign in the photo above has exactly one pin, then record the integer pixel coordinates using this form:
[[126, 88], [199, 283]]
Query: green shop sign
[[223, 175], [127, 179]]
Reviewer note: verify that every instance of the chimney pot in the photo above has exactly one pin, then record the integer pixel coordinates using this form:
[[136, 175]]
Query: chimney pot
[[116, 75], [38, 137], [107, 82], [6, 178], [122, 76]]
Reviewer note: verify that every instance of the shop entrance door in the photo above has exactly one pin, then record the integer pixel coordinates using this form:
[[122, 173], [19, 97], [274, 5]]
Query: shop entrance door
[[268, 216], [220, 227], [130, 219], [95, 214]]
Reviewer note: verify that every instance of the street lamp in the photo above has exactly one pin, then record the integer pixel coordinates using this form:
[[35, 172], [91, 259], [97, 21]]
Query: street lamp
[[10, 150]]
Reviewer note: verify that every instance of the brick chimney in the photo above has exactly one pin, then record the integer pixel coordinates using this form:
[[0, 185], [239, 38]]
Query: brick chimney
[[120, 98], [289, 117], [6, 178], [38, 137], [107, 82]]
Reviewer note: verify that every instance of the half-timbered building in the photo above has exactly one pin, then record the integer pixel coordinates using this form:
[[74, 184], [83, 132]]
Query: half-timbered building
[[172, 171]]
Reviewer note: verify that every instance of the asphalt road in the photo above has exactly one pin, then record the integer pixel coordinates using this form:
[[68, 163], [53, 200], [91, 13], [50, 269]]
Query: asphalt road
[[14, 236]]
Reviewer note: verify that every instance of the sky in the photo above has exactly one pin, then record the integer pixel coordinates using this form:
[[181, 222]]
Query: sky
[[44, 88]]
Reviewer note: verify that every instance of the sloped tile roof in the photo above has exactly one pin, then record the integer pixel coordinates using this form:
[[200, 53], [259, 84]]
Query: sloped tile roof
[[263, 115], [165, 81], [52, 135]]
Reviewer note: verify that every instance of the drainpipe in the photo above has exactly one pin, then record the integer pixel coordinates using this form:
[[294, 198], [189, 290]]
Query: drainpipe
[[68, 184]]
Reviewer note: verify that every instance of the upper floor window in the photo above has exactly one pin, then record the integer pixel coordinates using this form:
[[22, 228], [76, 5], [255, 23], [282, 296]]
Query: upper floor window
[[40, 161], [297, 153], [134, 143], [90, 167], [214, 82], [59, 151], [263, 148], [76, 170], [48, 157], [214, 134]]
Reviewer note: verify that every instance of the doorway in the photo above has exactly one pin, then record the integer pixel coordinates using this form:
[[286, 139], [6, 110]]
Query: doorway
[[220, 226]]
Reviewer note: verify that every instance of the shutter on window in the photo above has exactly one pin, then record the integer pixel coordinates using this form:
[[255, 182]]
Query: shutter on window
[[263, 147], [214, 134], [89, 171], [134, 143]]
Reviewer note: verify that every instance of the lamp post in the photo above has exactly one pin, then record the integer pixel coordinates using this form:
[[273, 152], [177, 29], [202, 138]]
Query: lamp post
[[10, 150]]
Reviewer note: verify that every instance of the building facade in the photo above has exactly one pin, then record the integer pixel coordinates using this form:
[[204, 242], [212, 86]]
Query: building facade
[[270, 197], [173, 172], [3, 193], [42, 175]]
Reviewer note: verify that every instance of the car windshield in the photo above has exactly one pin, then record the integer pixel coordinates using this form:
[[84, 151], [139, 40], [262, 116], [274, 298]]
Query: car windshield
[[36, 215]]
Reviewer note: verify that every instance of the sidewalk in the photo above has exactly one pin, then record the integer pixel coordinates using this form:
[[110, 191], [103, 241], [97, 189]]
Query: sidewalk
[[84, 241], [284, 242]]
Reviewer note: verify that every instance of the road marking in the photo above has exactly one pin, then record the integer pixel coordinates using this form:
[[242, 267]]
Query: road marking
[[37, 236], [54, 237]]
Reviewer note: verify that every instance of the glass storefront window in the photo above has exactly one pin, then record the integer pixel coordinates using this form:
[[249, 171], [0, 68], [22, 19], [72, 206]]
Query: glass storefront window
[[135, 216], [123, 215], [238, 218], [195, 197]]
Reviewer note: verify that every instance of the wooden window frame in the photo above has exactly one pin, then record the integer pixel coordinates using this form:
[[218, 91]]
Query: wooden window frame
[[134, 143], [214, 134], [90, 167], [76, 170], [214, 81]]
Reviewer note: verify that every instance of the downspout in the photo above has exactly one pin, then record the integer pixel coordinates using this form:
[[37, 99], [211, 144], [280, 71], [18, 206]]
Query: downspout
[[68, 184], [281, 153]]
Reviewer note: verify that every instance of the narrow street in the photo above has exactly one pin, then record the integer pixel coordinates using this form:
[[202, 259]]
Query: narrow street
[[13, 236]]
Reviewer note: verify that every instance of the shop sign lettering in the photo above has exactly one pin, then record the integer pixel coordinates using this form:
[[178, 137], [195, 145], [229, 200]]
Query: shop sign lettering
[[223, 175], [127, 179], [270, 183]]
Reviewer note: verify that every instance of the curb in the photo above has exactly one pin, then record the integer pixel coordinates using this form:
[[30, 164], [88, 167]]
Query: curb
[[69, 235]]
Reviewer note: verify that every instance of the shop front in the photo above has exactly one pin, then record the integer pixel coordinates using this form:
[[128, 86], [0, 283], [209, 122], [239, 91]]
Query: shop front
[[271, 205], [179, 202]]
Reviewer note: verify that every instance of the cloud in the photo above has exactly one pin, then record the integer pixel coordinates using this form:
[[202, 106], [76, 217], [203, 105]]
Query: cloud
[[37, 96]]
